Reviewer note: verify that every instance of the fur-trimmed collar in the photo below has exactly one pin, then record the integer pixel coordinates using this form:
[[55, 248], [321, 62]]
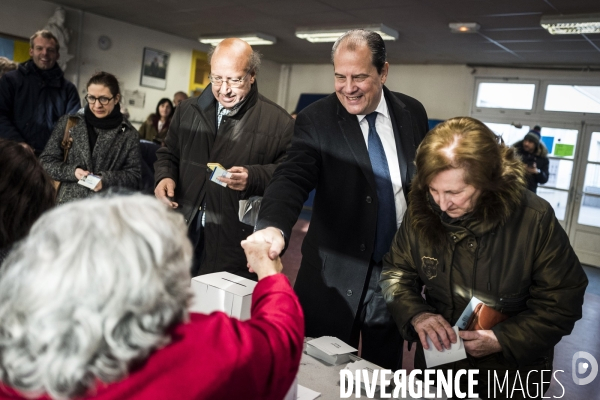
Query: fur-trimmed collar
[[492, 209], [540, 149]]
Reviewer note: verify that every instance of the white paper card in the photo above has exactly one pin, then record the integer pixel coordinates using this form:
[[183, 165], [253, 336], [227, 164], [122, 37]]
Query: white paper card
[[466, 314], [456, 352], [90, 181], [305, 393], [331, 345], [219, 172]]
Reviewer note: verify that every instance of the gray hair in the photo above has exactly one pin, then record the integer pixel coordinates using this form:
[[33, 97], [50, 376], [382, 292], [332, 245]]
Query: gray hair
[[355, 37], [253, 62], [95, 287], [46, 34]]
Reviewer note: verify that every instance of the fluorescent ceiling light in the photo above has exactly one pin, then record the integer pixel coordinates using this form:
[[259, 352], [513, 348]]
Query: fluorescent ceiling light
[[463, 27], [571, 24], [321, 35], [253, 39]]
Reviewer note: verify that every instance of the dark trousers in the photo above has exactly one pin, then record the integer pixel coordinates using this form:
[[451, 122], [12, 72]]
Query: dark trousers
[[381, 340], [196, 235]]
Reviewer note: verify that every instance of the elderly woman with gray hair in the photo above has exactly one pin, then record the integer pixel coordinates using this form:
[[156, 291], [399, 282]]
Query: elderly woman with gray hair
[[93, 304]]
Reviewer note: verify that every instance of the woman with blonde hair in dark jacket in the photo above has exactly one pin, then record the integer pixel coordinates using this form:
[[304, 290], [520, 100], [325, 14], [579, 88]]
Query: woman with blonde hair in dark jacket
[[474, 234]]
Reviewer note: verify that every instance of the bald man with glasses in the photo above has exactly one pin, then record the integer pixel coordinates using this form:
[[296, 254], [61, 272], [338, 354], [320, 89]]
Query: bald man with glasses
[[233, 125]]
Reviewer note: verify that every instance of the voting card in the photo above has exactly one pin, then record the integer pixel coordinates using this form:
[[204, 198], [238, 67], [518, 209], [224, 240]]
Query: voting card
[[305, 393], [218, 171], [90, 181], [456, 352]]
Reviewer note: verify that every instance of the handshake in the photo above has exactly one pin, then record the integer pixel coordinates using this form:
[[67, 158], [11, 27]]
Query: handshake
[[262, 250]]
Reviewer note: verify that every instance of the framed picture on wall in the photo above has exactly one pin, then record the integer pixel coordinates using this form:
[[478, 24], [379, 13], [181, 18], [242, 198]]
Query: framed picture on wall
[[154, 68]]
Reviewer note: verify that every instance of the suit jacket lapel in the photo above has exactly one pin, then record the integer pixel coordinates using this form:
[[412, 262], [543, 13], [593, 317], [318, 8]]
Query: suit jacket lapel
[[356, 142], [403, 133]]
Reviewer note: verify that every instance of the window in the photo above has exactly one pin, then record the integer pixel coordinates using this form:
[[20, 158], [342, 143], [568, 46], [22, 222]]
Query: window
[[506, 95], [573, 98], [509, 133]]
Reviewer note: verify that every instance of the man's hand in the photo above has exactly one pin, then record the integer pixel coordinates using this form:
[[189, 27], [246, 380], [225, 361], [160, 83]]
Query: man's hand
[[272, 236], [258, 259], [166, 190], [480, 343], [238, 180], [81, 173], [436, 327], [532, 169]]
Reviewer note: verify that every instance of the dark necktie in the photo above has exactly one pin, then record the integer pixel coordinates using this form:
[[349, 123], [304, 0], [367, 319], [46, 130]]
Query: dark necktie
[[386, 208]]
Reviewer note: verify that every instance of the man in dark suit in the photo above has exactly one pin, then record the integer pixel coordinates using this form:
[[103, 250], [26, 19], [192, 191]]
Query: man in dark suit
[[356, 147]]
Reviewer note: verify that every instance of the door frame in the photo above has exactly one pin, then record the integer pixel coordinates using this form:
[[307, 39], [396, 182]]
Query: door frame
[[573, 228]]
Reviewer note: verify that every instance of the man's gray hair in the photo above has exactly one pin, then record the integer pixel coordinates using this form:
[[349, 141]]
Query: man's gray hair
[[95, 287], [356, 37], [253, 62], [46, 34]]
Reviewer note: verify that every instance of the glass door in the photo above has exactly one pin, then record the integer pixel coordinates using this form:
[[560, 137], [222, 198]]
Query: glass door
[[584, 231], [561, 144]]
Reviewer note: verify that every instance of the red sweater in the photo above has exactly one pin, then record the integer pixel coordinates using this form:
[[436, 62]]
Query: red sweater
[[217, 357]]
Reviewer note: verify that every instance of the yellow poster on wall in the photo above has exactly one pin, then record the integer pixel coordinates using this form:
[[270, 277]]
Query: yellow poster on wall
[[21, 51], [199, 72], [14, 48]]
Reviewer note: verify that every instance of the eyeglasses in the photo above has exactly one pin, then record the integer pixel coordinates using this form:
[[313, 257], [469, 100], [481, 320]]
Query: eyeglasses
[[232, 83], [103, 100]]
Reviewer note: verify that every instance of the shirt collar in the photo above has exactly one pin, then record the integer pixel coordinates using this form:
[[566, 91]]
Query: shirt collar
[[382, 109], [231, 111]]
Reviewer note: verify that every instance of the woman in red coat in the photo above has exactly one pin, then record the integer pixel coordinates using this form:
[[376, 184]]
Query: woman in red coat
[[93, 304]]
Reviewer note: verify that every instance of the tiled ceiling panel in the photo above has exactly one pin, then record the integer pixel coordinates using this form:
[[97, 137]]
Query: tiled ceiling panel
[[510, 31]]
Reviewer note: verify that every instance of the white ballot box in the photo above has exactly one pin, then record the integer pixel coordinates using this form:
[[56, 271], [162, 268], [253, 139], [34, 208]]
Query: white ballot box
[[222, 291], [329, 349]]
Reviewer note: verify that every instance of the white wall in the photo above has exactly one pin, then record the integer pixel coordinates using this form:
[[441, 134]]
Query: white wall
[[124, 58], [444, 90], [268, 79]]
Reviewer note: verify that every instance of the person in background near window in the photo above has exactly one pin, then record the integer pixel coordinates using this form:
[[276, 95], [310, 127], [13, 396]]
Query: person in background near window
[[157, 125], [472, 230], [104, 144], [534, 154], [36, 95], [7, 65], [26, 192], [179, 97], [94, 304]]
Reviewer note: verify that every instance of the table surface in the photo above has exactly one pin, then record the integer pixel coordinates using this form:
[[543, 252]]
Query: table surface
[[325, 379]]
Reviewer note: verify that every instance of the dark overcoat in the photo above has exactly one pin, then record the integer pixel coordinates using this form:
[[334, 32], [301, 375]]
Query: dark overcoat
[[115, 157], [329, 153], [256, 137]]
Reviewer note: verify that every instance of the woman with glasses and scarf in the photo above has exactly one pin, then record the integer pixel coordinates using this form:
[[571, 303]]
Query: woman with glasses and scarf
[[104, 144]]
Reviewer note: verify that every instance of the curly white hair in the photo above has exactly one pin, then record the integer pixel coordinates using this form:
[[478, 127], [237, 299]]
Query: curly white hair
[[94, 288]]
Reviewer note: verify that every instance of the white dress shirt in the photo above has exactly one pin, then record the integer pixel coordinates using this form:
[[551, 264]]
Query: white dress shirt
[[383, 124]]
